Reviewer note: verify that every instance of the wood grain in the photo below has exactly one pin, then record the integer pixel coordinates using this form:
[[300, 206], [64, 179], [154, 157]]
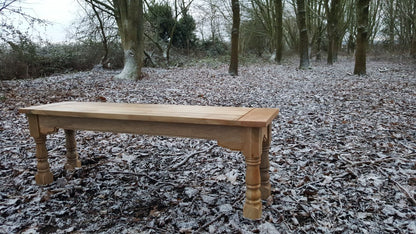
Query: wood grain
[[230, 116]]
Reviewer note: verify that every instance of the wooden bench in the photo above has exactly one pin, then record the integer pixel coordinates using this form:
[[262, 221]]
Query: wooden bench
[[238, 128]]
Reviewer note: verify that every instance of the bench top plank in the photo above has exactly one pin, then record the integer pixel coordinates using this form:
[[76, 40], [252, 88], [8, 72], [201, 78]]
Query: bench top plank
[[214, 115]]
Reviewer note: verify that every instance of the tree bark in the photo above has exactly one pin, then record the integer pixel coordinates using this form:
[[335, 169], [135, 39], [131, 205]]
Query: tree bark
[[362, 37], [279, 30], [332, 13], [413, 47], [233, 69], [129, 18], [303, 35], [390, 21]]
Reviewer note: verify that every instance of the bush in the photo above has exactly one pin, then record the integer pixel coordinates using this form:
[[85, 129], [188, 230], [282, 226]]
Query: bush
[[214, 47], [160, 16], [184, 36], [27, 59]]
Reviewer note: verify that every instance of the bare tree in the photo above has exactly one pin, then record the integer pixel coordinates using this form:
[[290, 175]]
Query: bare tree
[[11, 10], [214, 18], [374, 19], [362, 37], [233, 69], [99, 26]]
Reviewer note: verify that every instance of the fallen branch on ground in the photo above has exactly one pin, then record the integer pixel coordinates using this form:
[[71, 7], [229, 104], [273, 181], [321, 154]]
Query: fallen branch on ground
[[174, 167]]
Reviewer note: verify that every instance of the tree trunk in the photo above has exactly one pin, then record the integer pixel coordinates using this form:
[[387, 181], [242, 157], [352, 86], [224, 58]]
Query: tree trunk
[[362, 37], [233, 69], [279, 30], [390, 22], [332, 12], [413, 47], [303, 35], [319, 44], [413, 50], [129, 17], [350, 44]]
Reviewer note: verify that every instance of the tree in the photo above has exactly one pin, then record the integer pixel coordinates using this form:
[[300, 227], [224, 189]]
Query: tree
[[389, 21], [233, 69], [362, 36], [22, 47], [279, 30], [399, 24], [333, 11], [129, 19], [269, 13], [161, 19], [374, 18], [413, 47], [303, 34], [96, 28], [184, 9], [171, 31], [254, 38], [215, 15], [316, 26], [184, 36], [11, 10]]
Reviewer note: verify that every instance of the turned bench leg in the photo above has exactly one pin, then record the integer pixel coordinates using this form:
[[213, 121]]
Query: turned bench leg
[[252, 206], [44, 175], [256, 152], [72, 160], [252, 152], [265, 166]]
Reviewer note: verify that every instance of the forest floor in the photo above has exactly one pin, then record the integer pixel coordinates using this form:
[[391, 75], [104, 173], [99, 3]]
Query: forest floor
[[343, 154]]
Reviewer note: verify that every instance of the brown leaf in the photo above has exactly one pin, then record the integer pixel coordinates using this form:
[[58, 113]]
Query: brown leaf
[[101, 98]]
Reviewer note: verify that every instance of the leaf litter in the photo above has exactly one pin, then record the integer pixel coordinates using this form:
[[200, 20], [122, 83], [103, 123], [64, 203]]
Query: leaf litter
[[343, 154]]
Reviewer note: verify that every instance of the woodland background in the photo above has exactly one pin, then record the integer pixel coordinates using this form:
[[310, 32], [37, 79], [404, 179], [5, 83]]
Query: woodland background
[[182, 32]]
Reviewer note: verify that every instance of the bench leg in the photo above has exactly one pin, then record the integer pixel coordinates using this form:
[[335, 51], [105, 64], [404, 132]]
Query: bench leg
[[72, 160], [264, 168], [252, 206], [44, 175], [252, 152]]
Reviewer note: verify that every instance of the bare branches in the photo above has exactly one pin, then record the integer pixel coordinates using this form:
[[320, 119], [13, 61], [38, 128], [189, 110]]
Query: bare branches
[[105, 7], [6, 4]]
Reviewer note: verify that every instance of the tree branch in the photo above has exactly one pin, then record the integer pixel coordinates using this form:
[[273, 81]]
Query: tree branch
[[102, 6]]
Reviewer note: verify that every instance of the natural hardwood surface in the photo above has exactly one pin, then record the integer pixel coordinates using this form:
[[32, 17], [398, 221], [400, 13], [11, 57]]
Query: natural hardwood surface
[[238, 128], [230, 116]]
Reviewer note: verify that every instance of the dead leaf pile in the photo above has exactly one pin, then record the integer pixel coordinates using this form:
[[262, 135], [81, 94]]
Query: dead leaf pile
[[343, 155]]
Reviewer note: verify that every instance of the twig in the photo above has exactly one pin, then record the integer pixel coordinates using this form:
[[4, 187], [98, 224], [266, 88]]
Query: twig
[[365, 162], [211, 222], [240, 197], [404, 190], [159, 230], [145, 175], [174, 167]]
